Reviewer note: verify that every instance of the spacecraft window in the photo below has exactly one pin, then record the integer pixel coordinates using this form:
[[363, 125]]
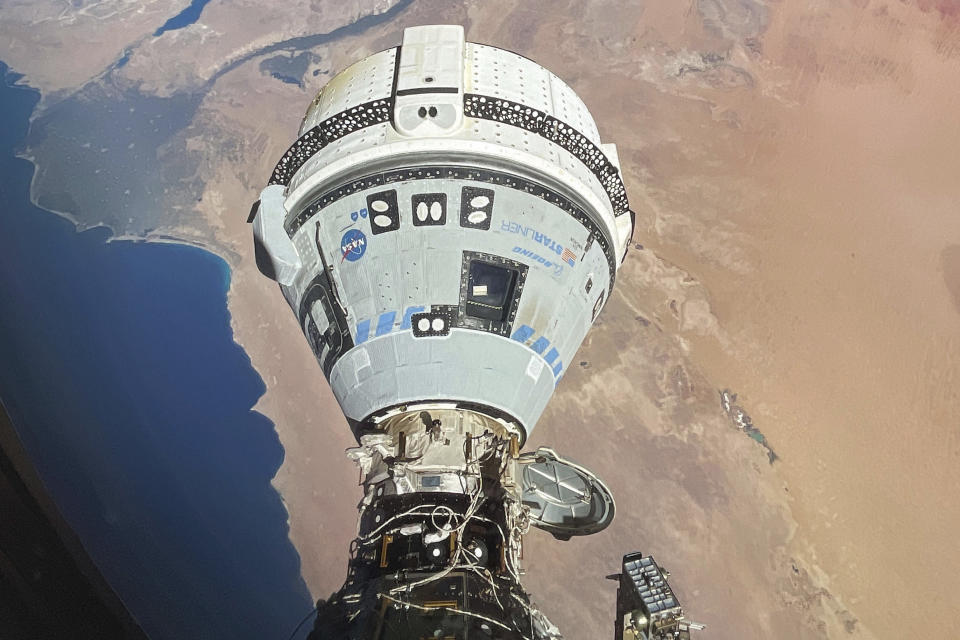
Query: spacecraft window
[[490, 290]]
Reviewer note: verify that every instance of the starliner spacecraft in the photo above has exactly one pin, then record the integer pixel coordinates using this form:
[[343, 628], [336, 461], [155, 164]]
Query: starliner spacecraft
[[446, 228]]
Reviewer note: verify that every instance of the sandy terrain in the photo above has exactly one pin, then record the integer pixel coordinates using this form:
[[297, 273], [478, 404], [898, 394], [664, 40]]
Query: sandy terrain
[[60, 46], [189, 58], [794, 169]]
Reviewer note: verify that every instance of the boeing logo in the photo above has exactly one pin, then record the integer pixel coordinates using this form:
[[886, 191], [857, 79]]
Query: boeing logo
[[566, 255], [549, 264]]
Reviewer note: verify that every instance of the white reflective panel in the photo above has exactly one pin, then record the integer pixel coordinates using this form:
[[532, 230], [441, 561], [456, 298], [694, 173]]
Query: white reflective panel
[[422, 211], [479, 202], [379, 205], [423, 324], [476, 217], [437, 324], [435, 211], [382, 220]]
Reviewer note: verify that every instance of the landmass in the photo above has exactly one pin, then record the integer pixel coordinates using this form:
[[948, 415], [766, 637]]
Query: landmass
[[792, 166]]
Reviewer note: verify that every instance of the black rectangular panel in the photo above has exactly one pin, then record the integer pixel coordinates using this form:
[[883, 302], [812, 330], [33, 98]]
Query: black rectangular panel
[[429, 209], [476, 207], [384, 212]]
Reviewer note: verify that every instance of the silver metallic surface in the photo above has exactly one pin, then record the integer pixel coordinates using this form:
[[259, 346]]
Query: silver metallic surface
[[447, 228], [410, 168]]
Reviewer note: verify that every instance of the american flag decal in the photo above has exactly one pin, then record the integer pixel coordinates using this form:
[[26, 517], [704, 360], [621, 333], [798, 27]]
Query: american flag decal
[[568, 256]]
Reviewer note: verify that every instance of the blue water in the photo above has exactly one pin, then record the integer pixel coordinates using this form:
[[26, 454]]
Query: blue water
[[185, 18], [118, 367]]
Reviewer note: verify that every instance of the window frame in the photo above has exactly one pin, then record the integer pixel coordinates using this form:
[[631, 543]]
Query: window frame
[[500, 326]]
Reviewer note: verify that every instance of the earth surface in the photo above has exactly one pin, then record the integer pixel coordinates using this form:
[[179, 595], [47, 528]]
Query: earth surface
[[793, 167]]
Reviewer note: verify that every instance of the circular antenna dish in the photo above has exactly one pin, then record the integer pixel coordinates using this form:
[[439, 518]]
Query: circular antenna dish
[[564, 498]]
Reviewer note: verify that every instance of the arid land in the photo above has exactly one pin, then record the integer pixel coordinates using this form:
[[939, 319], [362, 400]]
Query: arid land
[[794, 171]]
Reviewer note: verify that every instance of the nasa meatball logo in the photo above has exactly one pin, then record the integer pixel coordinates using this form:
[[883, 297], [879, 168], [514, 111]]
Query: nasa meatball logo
[[353, 245]]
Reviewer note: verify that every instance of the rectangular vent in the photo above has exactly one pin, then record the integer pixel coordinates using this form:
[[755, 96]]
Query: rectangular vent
[[383, 211], [429, 209], [476, 207], [430, 324]]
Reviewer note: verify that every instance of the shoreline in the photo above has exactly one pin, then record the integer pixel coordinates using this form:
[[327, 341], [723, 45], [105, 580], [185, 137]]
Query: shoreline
[[265, 402], [229, 258], [323, 574], [166, 237], [112, 432], [782, 262]]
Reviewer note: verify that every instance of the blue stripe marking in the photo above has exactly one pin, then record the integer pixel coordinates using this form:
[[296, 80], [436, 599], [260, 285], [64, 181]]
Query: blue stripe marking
[[523, 333], [363, 330], [385, 322], [551, 356], [406, 324], [540, 345]]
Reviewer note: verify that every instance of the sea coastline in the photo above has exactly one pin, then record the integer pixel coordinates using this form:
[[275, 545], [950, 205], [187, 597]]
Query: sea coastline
[[246, 331], [48, 435], [231, 257], [829, 157], [296, 490]]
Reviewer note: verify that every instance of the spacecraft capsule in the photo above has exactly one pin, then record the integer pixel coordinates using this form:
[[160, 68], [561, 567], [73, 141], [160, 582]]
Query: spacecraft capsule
[[446, 227]]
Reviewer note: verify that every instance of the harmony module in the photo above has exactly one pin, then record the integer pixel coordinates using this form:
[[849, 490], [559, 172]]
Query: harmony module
[[447, 227]]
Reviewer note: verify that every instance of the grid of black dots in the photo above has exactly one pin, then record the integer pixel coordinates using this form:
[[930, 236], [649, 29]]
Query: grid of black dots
[[476, 106], [330, 130], [558, 132]]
